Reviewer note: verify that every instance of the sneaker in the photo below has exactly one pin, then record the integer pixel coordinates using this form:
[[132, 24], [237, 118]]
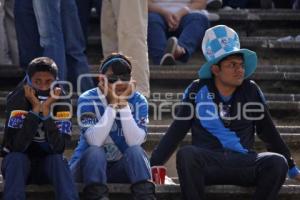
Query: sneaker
[[168, 59], [171, 45], [214, 4]]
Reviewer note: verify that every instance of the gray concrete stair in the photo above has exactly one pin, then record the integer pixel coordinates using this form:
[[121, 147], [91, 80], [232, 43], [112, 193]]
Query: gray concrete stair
[[289, 191]]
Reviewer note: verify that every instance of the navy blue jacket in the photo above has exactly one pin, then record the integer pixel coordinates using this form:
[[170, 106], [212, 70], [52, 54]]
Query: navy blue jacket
[[219, 125]]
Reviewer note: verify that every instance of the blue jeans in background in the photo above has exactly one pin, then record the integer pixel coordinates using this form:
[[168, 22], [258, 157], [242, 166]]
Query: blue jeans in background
[[55, 25], [189, 33]]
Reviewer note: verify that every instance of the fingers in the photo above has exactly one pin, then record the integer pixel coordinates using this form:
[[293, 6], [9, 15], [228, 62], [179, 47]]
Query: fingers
[[57, 91], [129, 90], [29, 93]]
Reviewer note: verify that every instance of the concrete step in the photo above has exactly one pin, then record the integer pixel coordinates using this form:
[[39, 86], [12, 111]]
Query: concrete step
[[259, 15], [159, 107], [290, 190], [183, 71], [153, 138], [264, 42]]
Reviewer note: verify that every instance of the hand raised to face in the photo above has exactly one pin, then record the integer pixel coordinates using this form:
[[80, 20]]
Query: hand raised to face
[[31, 97]]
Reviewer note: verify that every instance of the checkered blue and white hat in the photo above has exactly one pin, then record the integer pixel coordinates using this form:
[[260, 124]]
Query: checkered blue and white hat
[[219, 42]]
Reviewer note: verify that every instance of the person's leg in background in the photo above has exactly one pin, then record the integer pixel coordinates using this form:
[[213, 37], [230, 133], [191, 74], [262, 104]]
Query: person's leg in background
[[191, 31], [15, 169], [132, 34], [84, 11], [28, 38], [77, 63], [109, 37], [4, 53], [124, 29], [10, 28], [48, 18], [157, 37]]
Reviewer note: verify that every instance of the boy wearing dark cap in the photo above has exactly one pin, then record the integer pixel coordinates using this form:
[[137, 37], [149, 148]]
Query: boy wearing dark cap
[[112, 119], [36, 130]]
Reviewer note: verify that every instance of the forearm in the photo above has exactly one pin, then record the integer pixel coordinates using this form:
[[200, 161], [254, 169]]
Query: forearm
[[173, 136], [97, 134], [152, 7], [134, 135], [195, 5], [267, 131]]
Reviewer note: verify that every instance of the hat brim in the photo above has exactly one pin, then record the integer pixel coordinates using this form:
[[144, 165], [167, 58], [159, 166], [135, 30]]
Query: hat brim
[[250, 63]]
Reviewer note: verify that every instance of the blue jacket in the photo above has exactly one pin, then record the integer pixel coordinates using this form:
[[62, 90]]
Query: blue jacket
[[211, 130], [91, 106]]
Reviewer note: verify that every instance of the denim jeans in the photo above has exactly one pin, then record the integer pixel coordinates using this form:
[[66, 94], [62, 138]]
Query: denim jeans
[[189, 33], [18, 170], [27, 32], [84, 11], [8, 41], [92, 167], [55, 24], [198, 167]]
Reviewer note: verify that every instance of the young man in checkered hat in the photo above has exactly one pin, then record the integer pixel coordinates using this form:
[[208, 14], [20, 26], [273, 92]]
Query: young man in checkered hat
[[224, 109]]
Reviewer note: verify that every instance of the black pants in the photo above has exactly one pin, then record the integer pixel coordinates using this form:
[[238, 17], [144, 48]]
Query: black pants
[[198, 167]]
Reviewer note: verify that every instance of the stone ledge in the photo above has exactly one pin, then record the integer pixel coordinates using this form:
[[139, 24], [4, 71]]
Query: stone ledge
[[215, 189], [186, 71]]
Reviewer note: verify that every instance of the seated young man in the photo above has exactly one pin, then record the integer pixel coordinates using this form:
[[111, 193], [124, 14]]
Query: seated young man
[[175, 29], [224, 109], [112, 119], [35, 134]]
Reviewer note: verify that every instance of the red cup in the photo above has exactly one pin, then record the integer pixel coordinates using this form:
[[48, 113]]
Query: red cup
[[159, 174]]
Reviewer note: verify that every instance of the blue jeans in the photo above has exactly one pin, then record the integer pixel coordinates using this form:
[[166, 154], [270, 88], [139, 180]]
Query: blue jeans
[[189, 33], [55, 24], [27, 32], [93, 167], [84, 11], [18, 170]]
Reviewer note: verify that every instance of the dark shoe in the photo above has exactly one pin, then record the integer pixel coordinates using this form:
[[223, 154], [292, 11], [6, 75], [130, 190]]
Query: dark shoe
[[214, 4], [143, 190], [168, 59], [266, 4], [171, 45], [95, 191]]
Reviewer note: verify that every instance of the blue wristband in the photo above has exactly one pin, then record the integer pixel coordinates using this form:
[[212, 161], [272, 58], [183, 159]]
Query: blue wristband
[[34, 113], [293, 172]]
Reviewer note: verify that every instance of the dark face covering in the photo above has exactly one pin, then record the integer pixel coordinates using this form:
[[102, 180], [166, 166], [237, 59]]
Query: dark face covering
[[42, 95]]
